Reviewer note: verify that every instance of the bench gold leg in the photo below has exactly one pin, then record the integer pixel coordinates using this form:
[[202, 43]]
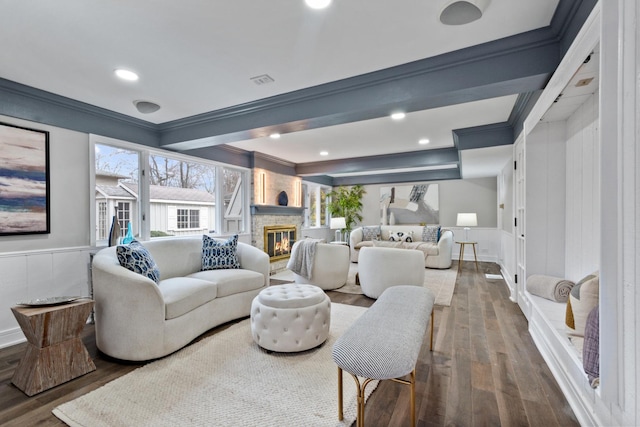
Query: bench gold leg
[[413, 398], [431, 339], [340, 411]]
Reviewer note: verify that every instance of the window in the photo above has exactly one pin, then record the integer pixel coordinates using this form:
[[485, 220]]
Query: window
[[116, 189], [233, 201], [188, 218], [182, 198], [162, 193], [315, 204]]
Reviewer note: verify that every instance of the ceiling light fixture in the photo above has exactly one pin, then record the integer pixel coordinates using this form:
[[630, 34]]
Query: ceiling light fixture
[[423, 141], [126, 74], [324, 153], [317, 4], [461, 12], [274, 136], [146, 107], [398, 116]]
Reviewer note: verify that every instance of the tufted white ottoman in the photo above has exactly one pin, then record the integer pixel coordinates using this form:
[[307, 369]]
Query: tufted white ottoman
[[290, 318]]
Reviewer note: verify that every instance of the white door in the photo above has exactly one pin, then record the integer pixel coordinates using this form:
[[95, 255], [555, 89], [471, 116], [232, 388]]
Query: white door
[[519, 177]]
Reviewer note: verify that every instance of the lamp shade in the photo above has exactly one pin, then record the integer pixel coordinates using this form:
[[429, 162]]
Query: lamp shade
[[337, 223], [467, 220]]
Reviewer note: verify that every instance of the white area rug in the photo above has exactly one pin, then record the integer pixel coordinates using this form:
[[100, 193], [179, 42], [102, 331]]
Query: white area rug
[[441, 282], [226, 380]]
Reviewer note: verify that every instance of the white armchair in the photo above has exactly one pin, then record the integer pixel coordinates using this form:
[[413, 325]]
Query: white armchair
[[330, 267]]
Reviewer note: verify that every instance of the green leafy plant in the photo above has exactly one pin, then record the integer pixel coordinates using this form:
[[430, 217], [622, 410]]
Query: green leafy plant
[[347, 202]]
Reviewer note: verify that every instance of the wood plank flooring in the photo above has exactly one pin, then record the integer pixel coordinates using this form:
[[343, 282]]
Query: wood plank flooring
[[484, 369]]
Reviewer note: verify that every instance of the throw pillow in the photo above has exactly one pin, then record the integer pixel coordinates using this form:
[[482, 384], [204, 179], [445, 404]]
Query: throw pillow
[[431, 233], [137, 258], [218, 255], [583, 298], [591, 346], [371, 233], [401, 236]]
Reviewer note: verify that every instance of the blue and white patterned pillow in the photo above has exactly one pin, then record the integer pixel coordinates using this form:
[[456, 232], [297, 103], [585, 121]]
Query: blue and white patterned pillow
[[431, 233], [137, 258], [218, 255], [371, 233]]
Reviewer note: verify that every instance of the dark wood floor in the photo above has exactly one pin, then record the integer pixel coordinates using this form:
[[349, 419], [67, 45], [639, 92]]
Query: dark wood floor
[[484, 369]]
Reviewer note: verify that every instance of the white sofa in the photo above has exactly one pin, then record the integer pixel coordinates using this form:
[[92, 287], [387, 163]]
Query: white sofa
[[330, 267], [436, 255], [137, 319]]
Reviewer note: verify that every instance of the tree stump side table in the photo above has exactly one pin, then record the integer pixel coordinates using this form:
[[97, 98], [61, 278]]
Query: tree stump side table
[[55, 353]]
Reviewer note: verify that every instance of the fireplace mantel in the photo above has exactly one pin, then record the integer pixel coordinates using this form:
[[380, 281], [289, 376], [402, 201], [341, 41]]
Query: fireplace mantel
[[275, 210]]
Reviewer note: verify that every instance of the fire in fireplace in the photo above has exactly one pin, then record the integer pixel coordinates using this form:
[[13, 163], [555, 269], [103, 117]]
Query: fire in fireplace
[[278, 240]]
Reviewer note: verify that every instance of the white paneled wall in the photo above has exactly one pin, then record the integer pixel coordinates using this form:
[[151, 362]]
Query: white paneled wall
[[39, 274], [487, 248], [583, 192], [545, 195]]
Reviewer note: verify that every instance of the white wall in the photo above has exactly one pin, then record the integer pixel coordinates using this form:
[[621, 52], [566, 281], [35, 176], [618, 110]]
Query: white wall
[[545, 195], [583, 191], [478, 195], [69, 177]]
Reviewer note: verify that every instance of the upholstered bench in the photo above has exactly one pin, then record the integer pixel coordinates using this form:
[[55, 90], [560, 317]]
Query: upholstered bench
[[384, 343], [290, 317]]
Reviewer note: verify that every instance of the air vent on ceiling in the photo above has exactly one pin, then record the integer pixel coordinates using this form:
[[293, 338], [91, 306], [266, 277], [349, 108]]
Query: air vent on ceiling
[[262, 79]]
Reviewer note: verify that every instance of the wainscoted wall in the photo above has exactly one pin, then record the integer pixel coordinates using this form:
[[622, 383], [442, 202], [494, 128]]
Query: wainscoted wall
[[39, 274]]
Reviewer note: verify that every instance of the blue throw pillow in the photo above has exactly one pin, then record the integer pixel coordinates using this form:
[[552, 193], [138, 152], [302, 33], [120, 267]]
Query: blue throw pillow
[[431, 233], [218, 255], [137, 258]]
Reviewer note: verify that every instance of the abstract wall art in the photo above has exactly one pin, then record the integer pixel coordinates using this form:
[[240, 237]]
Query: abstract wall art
[[409, 204], [24, 181]]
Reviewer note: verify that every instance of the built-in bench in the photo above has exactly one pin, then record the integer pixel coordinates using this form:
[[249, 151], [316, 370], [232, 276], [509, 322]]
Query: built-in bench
[[384, 343]]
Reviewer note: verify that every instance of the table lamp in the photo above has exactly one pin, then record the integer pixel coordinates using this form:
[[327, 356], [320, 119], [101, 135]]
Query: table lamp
[[338, 224], [467, 220]]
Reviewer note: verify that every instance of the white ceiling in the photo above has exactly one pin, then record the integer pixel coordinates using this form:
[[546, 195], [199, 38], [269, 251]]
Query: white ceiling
[[198, 56]]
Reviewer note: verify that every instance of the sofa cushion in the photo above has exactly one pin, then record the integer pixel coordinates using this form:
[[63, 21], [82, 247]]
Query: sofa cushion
[[428, 248], [137, 258], [183, 294], [231, 282], [219, 255], [371, 233], [366, 243], [431, 233]]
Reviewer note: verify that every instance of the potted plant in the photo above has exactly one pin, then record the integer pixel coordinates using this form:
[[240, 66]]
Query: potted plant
[[347, 202]]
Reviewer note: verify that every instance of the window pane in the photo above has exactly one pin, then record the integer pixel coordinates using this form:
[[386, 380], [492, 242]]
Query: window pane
[[323, 206], [181, 197], [233, 218], [116, 189]]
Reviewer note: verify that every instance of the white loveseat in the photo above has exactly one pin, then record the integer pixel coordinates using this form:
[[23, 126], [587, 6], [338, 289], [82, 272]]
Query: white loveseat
[[137, 319], [436, 255]]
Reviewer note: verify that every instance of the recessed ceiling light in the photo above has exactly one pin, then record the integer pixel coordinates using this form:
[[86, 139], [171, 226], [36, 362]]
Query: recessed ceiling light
[[324, 153], [317, 4], [398, 116], [423, 141], [126, 74], [274, 136]]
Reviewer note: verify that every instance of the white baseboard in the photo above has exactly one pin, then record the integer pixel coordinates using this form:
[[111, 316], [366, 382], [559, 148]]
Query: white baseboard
[[11, 337], [509, 281]]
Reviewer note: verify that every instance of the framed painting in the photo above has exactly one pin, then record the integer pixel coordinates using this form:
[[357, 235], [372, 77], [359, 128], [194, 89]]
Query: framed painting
[[24, 181], [410, 204]]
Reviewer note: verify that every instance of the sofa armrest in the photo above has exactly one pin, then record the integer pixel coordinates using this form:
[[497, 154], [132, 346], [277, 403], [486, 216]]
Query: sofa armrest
[[445, 248], [355, 237], [129, 307], [252, 258]]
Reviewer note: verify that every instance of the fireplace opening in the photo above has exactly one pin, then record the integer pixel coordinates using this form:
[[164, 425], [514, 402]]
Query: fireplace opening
[[278, 241]]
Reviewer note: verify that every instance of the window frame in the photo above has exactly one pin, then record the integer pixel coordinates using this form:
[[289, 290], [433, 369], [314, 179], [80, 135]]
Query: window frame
[[141, 213], [315, 188]]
